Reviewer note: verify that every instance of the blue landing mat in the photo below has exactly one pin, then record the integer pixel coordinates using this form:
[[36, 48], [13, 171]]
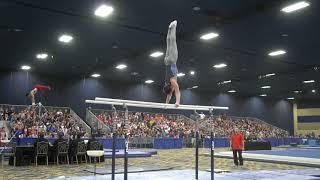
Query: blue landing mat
[[189, 175], [306, 153], [132, 153]]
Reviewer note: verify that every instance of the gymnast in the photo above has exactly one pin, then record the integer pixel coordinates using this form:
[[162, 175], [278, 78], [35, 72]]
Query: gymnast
[[170, 60], [33, 92]]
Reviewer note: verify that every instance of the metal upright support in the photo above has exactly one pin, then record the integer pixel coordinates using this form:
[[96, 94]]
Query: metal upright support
[[197, 117], [39, 104], [114, 137], [126, 147], [197, 153], [212, 156], [114, 141], [211, 147]]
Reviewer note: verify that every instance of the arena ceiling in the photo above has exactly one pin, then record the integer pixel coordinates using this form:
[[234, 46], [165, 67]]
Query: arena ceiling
[[248, 30]]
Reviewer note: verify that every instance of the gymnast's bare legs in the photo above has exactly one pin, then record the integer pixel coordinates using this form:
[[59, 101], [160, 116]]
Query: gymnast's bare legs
[[170, 61]]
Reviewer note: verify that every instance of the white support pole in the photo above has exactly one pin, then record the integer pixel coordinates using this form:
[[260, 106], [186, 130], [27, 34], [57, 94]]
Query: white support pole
[[189, 107]]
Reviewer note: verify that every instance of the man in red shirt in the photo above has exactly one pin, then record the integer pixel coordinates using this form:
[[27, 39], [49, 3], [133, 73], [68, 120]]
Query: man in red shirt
[[237, 145]]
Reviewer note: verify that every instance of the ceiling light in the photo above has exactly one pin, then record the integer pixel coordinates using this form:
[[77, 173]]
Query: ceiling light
[[209, 36], [295, 6], [149, 81], [95, 75], [266, 87], [181, 74], [42, 56], [222, 65], [192, 72], [196, 8], [290, 98], [313, 90], [232, 91], [121, 66], [156, 54], [25, 67], [268, 75], [308, 81], [297, 91], [263, 95], [134, 73], [277, 53], [103, 11], [65, 38], [224, 82], [195, 87]]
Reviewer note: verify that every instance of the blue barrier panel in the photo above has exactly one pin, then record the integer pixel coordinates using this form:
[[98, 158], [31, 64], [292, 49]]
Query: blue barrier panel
[[312, 142], [107, 143], [168, 143], [30, 141], [218, 142]]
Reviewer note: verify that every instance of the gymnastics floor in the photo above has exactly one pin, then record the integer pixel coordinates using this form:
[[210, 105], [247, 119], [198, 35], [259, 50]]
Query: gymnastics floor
[[291, 156], [203, 175]]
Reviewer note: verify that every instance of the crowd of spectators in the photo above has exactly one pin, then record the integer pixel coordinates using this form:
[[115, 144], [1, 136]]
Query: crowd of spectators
[[163, 125], [26, 122], [251, 128], [148, 125]]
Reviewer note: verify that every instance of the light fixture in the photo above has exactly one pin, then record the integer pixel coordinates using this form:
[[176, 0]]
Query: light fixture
[[95, 75], [192, 72], [277, 53], [156, 54], [195, 87], [196, 8], [121, 66], [232, 91], [290, 98], [263, 95], [181, 74], [295, 6], [149, 81], [103, 11], [313, 91], [209, 36], [134, 73], [308, 81], [271, 74], [25, 67], [297, 91], [218, 66], [224, 82], [265, 87], [266, 75], [42, 56], [65, 38]]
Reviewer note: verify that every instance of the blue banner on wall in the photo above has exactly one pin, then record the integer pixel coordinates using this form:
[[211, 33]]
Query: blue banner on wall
[[308, 119]]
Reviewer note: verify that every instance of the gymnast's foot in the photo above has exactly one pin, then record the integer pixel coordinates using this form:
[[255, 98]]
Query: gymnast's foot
[[177, 104], [173, 24]]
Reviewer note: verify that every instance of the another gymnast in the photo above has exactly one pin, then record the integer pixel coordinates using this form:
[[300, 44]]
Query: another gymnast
[[170, 60], [33, 92]]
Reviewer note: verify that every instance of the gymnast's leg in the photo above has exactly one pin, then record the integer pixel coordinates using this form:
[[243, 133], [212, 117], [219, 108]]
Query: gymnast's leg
[[172, 50]]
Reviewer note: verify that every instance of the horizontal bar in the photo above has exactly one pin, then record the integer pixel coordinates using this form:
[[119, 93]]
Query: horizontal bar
[[167, 106], [158, 104]]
